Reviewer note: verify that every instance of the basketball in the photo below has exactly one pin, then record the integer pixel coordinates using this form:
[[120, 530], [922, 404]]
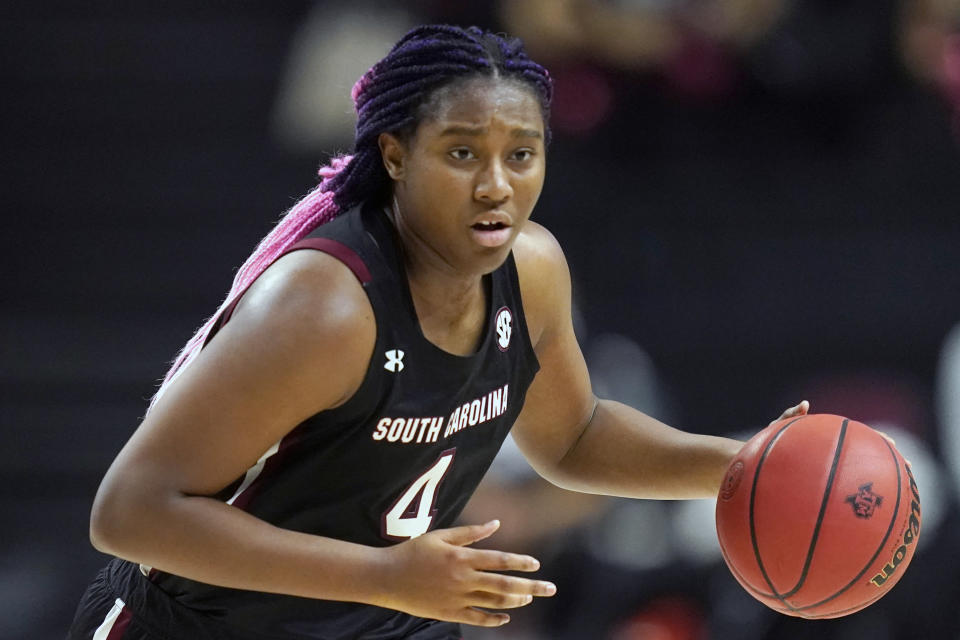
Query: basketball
[[818, 516]]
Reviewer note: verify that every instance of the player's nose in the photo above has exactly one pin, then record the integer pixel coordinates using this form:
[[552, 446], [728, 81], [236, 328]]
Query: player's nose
[[493, 184]]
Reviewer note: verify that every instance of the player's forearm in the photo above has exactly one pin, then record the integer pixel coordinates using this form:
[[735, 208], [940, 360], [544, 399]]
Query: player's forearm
[[626, 453], [206, 540]]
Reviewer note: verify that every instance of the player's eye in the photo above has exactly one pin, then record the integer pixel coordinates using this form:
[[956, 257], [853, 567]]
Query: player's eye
[[461, 153], [522, 155]]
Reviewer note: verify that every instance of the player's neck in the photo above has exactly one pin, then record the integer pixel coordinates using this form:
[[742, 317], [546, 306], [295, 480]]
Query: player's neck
[[451, 311]]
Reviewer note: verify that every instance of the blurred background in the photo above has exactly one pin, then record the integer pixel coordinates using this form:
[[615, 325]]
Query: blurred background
[[759, 200]]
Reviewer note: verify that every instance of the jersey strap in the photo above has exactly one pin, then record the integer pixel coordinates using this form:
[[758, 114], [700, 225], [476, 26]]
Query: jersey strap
[[338, 250]]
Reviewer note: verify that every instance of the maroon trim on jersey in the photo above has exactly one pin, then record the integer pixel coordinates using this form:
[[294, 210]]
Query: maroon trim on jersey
[[270, 466], [227, 313], [338, 250], [120, 625]]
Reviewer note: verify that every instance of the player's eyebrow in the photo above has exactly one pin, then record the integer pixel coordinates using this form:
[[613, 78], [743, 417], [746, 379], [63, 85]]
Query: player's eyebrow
[[463, 130], [526, 133]]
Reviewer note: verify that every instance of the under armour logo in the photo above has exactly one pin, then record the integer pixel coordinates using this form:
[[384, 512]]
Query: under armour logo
[[394, 360]]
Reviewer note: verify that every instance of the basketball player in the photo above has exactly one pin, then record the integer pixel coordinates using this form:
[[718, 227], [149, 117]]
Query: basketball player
[[300, 468]]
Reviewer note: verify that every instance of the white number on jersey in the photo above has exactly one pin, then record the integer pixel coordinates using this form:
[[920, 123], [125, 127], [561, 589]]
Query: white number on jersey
[[404, 519]]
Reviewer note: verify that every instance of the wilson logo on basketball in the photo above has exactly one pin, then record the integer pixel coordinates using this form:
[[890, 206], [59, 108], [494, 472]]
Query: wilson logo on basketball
[[910, 535], [865, 501]]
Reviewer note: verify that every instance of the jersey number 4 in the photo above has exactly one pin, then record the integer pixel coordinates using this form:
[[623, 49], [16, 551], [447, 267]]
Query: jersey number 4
[[412, 514]]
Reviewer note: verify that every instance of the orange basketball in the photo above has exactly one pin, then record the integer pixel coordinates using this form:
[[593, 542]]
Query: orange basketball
[[818, 516]]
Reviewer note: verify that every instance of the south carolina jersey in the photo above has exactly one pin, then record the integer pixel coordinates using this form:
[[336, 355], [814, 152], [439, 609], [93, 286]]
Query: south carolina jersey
[[400, 458]]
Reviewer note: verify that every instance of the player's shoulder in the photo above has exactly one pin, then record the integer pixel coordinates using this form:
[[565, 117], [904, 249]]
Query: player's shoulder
[[544, 277], [537, 250], [312, 297]]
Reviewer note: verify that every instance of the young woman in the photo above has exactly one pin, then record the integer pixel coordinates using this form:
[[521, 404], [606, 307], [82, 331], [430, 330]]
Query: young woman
[[300, 468]]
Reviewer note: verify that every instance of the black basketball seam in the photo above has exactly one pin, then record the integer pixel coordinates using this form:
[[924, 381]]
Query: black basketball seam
[[823, 510], [843, 612], [746, 585], [893, 520], [753, 494]]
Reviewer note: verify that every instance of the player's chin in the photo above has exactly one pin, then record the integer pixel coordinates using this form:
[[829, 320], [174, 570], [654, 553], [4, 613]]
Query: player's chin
[[492, 258]]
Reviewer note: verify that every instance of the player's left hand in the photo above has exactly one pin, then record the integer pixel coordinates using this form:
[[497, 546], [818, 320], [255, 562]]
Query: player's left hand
[[801, 409]]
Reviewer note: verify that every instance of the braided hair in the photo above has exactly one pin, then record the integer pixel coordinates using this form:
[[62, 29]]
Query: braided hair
[[394, 96]]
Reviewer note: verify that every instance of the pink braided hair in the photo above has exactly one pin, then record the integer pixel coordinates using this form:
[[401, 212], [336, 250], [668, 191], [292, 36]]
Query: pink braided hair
[[314, 209]]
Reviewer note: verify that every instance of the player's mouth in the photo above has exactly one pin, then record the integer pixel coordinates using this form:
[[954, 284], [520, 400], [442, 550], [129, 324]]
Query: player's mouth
[[491, 230]]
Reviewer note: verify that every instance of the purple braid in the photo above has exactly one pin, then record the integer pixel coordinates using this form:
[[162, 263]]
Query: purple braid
[[390, 97]]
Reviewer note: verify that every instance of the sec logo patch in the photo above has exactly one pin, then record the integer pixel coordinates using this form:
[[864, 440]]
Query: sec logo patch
[[504, 327]]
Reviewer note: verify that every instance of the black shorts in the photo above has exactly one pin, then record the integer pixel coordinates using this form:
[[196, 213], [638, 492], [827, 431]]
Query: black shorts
[[121, 604]]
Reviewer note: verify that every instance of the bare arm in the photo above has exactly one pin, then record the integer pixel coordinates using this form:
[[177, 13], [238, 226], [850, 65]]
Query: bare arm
[[597, 446], [260, 376], [298, 343], [624, 452]]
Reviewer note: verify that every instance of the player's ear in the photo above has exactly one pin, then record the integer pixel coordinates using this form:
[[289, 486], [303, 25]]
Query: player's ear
[[393, 152]]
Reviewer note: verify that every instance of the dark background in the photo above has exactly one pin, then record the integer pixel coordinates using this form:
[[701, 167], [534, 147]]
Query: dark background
[[791, 235]]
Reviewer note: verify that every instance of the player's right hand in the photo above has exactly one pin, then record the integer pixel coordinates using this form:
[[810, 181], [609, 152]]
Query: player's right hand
[[437, 575]]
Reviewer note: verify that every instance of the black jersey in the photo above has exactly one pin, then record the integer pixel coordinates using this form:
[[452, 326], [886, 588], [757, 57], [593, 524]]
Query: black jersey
[[401, 457]]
